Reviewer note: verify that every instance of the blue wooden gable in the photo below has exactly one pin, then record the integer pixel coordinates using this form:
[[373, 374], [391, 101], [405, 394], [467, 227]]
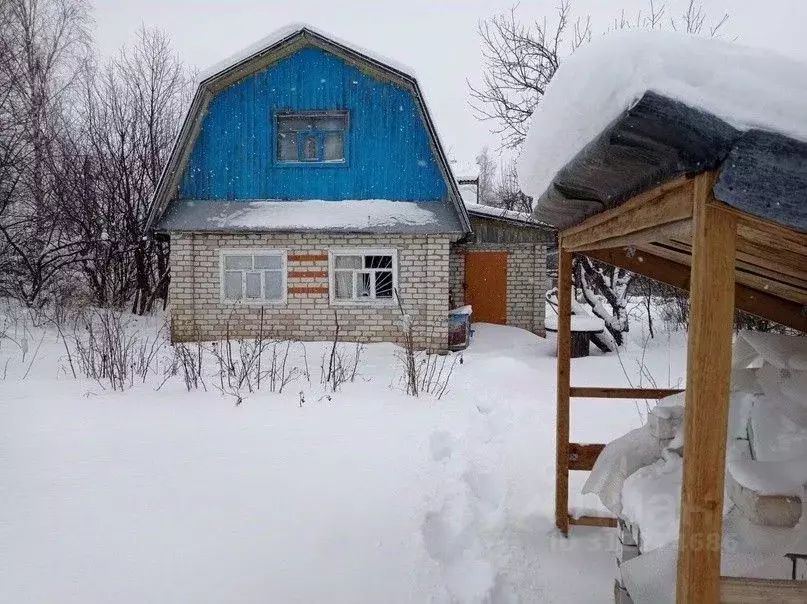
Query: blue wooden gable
[[389, 154]]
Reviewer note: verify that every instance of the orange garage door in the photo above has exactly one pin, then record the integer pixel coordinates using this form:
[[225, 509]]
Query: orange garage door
[[486, 286]]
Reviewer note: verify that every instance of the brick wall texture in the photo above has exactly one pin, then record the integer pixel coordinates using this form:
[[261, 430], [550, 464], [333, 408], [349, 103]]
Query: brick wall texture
[[197, 311], [527, 281]]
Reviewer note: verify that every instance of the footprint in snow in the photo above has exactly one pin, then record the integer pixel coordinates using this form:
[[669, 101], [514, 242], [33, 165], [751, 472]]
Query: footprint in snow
[[441, 445]]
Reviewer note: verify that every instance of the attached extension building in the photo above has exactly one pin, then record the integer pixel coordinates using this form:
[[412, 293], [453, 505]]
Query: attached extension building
[[308, 183]]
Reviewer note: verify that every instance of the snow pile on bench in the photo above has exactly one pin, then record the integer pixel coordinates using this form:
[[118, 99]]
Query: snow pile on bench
[[598, 83]]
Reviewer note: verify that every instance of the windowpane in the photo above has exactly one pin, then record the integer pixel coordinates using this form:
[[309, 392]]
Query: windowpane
[[363, 285], [293, 123], [232, 261], [287, 146], [311, 148], [253, 288], [314, 137], [378, 262], [331, 123], [383, 284], [344, 284], [274, 285], [334, 146], [274, 261], [232, 285], [347, 262]]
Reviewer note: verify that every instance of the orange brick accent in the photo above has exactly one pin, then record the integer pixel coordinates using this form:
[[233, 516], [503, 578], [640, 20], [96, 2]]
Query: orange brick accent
[[307, 257], [308, 290], [308, 273]]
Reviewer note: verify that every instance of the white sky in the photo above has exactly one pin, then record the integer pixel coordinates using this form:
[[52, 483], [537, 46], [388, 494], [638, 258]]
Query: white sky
[[437, 38]]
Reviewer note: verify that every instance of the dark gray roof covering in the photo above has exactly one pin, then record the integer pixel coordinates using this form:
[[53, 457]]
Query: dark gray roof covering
[[659, 139]]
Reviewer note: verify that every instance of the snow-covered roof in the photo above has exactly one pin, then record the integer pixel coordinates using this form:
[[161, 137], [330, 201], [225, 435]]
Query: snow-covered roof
[[465, 171], [724, 91], [364, 216], [747, 87], [288, 31], [476, 209]]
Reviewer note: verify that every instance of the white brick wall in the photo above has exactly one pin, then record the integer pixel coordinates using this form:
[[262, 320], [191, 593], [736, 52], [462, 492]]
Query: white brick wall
[[197, 311]]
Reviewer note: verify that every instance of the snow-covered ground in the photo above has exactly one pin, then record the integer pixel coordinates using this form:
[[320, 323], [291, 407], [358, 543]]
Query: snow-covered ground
[[363, 496]]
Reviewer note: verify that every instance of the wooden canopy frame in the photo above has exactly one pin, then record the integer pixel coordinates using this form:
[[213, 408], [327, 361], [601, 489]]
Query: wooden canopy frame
[[681, 235]]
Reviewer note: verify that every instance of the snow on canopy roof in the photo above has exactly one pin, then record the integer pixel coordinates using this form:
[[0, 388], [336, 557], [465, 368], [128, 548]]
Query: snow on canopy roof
[[745, 88], [289, 31], [365, 216]]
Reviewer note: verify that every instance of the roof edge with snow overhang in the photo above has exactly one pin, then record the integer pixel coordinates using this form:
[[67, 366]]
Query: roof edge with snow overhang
[[635, 110], [278, 45]]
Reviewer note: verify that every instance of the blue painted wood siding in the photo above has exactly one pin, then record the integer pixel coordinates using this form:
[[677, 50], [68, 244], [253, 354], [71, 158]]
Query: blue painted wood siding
[[389, 155]]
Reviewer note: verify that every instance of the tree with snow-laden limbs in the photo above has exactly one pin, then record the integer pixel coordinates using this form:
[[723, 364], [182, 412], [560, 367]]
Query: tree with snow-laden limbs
[[520, 61]]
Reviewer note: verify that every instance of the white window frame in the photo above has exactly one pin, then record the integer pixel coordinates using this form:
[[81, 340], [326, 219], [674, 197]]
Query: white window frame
[[244, 301], [333, 253]]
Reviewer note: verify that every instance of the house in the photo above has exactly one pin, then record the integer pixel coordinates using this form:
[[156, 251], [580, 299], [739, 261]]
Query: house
[[308, 187]]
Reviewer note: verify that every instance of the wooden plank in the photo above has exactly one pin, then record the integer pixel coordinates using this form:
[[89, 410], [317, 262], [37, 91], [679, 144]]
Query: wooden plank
[[602, 521], [564, 383], [711, 322], [631, 217], [760, 303], [780, 265], [736, 590], [637, 201], [643, 393], [679, 228], [582, 457], [760, 279]]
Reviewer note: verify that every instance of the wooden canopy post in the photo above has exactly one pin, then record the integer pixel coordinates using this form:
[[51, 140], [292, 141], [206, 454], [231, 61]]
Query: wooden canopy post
[[564, 384], [714, 234]]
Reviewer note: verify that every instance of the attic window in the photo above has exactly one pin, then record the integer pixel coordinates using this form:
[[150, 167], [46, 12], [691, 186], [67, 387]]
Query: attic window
[[311, 137]]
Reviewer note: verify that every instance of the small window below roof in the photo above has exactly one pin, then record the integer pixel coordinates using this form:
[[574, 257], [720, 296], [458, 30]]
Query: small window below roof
[[311, 137]]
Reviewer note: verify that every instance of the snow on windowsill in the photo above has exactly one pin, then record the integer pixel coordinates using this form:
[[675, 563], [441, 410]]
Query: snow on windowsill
[[747, 87]]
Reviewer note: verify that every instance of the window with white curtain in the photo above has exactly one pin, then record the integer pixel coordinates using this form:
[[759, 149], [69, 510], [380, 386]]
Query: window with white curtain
[[363, 275], [257, 276]]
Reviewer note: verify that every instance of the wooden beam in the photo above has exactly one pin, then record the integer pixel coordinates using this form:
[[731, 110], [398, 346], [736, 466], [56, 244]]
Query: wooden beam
[[602, 521], [679, 228], [644, 393], [778, 284], [583, 457], [639, 217], [564, 382], [706, 411], [736, 590], [757, 302], [639, 200]]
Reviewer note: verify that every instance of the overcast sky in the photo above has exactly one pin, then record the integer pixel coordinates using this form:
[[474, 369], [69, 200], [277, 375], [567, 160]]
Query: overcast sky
[[437, 38]]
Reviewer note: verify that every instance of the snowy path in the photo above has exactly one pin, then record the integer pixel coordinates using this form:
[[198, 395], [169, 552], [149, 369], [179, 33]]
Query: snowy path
[[371, 497]]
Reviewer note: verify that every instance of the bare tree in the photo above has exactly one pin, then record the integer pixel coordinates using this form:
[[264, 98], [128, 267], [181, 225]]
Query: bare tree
[[520, 59], [132, 108], [45, 44], [487, 175], [508, 194]]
